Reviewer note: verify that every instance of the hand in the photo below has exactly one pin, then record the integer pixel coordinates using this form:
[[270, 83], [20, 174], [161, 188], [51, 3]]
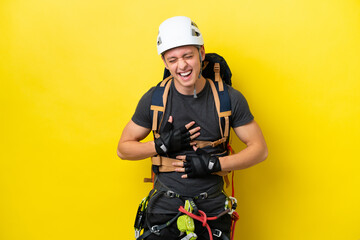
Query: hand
[[175, 140], [201, 165]]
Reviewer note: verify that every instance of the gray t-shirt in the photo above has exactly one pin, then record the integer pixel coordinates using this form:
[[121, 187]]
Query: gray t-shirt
[[184, 109]]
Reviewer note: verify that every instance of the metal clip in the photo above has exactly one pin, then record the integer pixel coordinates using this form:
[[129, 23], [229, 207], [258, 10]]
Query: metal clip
[[155, 229], [203, 195], [233, 204], [190, 236], [217, 233], [137, 234], [170, 194]]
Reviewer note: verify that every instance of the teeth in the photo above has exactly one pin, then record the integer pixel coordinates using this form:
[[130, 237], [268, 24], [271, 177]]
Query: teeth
[[185, 74]]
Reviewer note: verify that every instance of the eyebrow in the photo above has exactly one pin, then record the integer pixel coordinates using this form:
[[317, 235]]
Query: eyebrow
[[187, 53]]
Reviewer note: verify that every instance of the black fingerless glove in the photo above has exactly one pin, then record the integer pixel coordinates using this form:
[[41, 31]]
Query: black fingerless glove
[[172, 140], [201, 165]]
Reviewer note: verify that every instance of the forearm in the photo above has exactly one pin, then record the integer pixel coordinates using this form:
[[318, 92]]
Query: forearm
[[134, 150], [250, 156], [130, 146], [202, 164]]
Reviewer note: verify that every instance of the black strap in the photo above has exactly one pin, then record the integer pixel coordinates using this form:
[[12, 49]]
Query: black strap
[[157, 228], [213, 192]]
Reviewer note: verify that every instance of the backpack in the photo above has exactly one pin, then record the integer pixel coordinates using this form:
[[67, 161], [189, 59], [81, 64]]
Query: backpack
[[217, 72]]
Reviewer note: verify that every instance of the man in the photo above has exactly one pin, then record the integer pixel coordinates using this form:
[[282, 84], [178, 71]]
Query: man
[[191, 118]]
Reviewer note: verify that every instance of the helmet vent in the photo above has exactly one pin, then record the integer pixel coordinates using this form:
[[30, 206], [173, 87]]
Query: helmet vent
[[195, 33], [159, 41], [194, 24]]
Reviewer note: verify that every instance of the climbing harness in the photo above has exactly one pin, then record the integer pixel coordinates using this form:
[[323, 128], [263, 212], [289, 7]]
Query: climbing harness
[[190, 211], [186, 225]]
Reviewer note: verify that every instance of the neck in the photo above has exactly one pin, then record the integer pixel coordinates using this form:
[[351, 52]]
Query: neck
[[199, 86]]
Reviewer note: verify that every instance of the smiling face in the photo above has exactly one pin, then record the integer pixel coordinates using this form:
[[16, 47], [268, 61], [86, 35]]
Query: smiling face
[[184, 65]]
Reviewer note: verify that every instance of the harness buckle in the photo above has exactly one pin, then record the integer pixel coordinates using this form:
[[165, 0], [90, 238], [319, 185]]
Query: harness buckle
[[155, 229], [216, 67], [217, 233], [203, 195], [170, 194]]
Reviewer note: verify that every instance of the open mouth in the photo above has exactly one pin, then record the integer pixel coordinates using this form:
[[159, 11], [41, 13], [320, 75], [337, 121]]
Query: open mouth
[[185, 74]]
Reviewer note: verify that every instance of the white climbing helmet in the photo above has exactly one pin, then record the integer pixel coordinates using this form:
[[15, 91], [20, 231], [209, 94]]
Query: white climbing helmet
[[178, 31]]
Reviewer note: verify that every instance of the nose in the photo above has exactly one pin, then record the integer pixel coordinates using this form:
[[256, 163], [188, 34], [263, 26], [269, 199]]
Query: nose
[[182, 64]]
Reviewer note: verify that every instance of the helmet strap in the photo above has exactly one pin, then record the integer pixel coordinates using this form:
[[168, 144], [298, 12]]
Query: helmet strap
[[200, 73], [200, 63]]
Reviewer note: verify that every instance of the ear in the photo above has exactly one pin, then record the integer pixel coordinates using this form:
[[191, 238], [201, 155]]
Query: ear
[[163, 58], [202, 51]]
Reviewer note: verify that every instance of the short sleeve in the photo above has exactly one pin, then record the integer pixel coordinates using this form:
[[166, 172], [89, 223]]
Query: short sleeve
[[241, 113], [142, 113]]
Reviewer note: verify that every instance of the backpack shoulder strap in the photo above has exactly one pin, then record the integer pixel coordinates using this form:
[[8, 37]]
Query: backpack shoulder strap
[[158, 103], [223, 108], [222, 102]]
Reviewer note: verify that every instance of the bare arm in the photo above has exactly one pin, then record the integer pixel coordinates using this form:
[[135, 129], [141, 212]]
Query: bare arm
[[130, 147], [255, 152]]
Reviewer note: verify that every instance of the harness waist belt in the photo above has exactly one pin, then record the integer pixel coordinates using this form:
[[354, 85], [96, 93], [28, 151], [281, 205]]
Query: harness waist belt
[[212, 192]]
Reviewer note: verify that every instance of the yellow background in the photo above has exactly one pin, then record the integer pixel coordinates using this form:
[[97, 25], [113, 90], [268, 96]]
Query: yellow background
[[71, 75]]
